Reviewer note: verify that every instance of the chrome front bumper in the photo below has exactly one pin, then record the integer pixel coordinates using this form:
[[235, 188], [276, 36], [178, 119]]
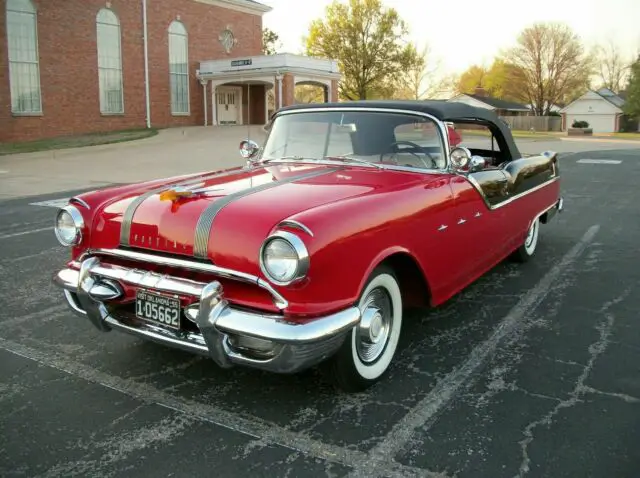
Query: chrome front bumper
[[228, 335]]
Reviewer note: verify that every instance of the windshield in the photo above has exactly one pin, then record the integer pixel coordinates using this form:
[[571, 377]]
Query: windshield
[[376, 138]]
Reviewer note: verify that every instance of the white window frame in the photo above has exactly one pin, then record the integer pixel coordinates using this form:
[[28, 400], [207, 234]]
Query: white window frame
[[14, 8], [106, 106], [183, 35]]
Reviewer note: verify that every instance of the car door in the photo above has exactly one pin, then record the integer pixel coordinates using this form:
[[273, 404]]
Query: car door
[[472, 230]]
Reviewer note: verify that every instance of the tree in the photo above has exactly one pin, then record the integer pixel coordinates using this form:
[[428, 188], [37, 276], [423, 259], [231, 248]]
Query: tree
[[369, 43], [632, 103], [474, 77], [270, 42], [502, 80], [420, 79], [613, 68], [553, 63]]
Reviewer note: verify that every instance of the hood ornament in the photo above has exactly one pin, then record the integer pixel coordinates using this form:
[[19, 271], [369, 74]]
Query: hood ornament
[[176, 193]]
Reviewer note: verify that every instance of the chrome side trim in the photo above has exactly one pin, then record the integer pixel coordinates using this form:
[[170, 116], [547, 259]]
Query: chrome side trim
[[127, 217], [512, 198], [279, 301], [205, 222], [296, 225]]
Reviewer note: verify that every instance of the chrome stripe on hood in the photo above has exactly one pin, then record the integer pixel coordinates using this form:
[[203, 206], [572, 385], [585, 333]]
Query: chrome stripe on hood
[[127, 217], [205, 222]]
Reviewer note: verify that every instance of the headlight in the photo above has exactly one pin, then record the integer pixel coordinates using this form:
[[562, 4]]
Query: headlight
[[69, 225], [284, 258]]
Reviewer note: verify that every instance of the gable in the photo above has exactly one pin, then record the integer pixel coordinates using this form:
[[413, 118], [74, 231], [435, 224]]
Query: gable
[[591, 103], [468, 100]]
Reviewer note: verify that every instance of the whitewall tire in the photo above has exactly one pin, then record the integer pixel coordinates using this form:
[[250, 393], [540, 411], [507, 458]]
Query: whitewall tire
[[528, 248], [365, 356]]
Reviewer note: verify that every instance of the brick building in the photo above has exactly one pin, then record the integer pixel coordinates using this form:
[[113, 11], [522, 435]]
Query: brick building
[[80, 66]]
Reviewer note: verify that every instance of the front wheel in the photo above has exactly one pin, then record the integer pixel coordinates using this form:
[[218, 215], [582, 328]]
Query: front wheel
[[528, 248], [365, 356]]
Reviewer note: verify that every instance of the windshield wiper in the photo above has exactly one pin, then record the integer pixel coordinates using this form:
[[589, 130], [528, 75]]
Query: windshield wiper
[[355, 160]]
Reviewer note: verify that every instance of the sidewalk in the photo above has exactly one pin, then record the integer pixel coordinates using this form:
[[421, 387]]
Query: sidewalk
[[172, 152]]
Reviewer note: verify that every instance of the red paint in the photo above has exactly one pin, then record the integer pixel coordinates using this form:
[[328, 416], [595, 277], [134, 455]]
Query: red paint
[[358, 216]]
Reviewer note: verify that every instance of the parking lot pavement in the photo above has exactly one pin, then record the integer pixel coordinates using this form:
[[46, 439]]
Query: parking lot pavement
[[531, 371]]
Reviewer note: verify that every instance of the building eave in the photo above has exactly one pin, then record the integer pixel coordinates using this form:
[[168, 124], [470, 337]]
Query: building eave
[[253, 8]]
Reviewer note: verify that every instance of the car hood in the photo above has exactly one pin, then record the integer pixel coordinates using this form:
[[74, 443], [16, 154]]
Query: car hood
[[226, 215]]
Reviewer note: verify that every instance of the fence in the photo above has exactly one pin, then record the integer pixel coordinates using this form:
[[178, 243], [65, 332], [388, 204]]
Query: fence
[[537, 123]]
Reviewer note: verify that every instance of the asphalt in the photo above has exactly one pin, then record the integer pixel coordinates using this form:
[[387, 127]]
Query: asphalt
[[534, 370]]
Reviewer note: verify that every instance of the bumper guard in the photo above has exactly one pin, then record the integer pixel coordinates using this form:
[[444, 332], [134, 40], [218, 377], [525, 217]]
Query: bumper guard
[[226, 334]]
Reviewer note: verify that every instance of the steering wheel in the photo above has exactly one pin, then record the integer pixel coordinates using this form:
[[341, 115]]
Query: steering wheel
[[416, 146]]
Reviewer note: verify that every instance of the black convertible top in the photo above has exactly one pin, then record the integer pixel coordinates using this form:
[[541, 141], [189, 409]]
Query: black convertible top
[[440, 109]]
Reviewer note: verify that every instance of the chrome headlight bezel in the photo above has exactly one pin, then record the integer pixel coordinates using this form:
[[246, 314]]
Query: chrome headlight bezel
[[300, 250], [78, 222]]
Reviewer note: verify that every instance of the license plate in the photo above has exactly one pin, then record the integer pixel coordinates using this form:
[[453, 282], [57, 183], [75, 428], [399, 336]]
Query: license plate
[[158, 308]]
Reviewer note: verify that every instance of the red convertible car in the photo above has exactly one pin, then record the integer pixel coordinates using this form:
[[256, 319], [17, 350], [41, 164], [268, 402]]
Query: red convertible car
[[307, 254]]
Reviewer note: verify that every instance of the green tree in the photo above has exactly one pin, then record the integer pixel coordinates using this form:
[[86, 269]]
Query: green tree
[[554, 65], [368, 41], [270, 42], [632, 104], [502, 80]]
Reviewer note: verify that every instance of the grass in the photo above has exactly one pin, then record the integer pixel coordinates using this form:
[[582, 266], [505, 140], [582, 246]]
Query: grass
[[619, 135], [76, 141]]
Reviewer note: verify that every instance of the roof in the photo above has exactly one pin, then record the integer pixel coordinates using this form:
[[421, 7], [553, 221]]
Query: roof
[[499, 104], [611, 97], [604, 93], [252, 4], [442, 110]]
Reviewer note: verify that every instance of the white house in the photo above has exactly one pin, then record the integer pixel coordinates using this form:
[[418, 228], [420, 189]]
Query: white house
[[602, 109]]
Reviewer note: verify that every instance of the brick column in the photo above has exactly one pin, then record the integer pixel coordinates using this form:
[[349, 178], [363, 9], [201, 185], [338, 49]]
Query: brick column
[[288, 89], [334, 91]]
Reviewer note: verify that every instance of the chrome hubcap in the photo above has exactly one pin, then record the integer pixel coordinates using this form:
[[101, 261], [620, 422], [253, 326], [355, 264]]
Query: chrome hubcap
[[375, 326]]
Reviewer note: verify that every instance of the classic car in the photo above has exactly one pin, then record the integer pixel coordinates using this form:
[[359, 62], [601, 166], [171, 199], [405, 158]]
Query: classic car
[[309, 251]]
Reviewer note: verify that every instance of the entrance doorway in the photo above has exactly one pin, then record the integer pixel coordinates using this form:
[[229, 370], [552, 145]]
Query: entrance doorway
[[229, 101]]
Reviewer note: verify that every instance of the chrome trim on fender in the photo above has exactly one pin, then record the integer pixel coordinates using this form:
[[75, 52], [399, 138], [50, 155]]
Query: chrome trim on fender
[[79, 201], [477, 187], [301, 251], [205, 222], [279, 301], [296, 225]]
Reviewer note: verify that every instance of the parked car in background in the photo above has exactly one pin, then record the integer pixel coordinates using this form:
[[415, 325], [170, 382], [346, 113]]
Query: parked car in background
[[309, 253]]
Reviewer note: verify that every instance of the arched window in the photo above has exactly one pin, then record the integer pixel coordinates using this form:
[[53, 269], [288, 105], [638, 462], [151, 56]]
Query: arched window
[[179, 68], [109, 62], [24, 69]]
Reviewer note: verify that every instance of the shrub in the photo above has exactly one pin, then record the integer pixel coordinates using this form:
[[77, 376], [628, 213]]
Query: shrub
[[580, 124]]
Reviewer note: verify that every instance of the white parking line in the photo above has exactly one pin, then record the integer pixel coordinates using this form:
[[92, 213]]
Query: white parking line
[[24, 233], [447, 388], [599, 161], [57, 203], [265, 433]]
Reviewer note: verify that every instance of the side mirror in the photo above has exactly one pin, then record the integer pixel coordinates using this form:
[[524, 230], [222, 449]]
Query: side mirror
[[460, 158], [248, 148], [477, 163]]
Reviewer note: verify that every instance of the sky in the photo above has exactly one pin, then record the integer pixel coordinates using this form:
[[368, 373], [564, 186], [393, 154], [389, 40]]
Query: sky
[[461, 33]]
